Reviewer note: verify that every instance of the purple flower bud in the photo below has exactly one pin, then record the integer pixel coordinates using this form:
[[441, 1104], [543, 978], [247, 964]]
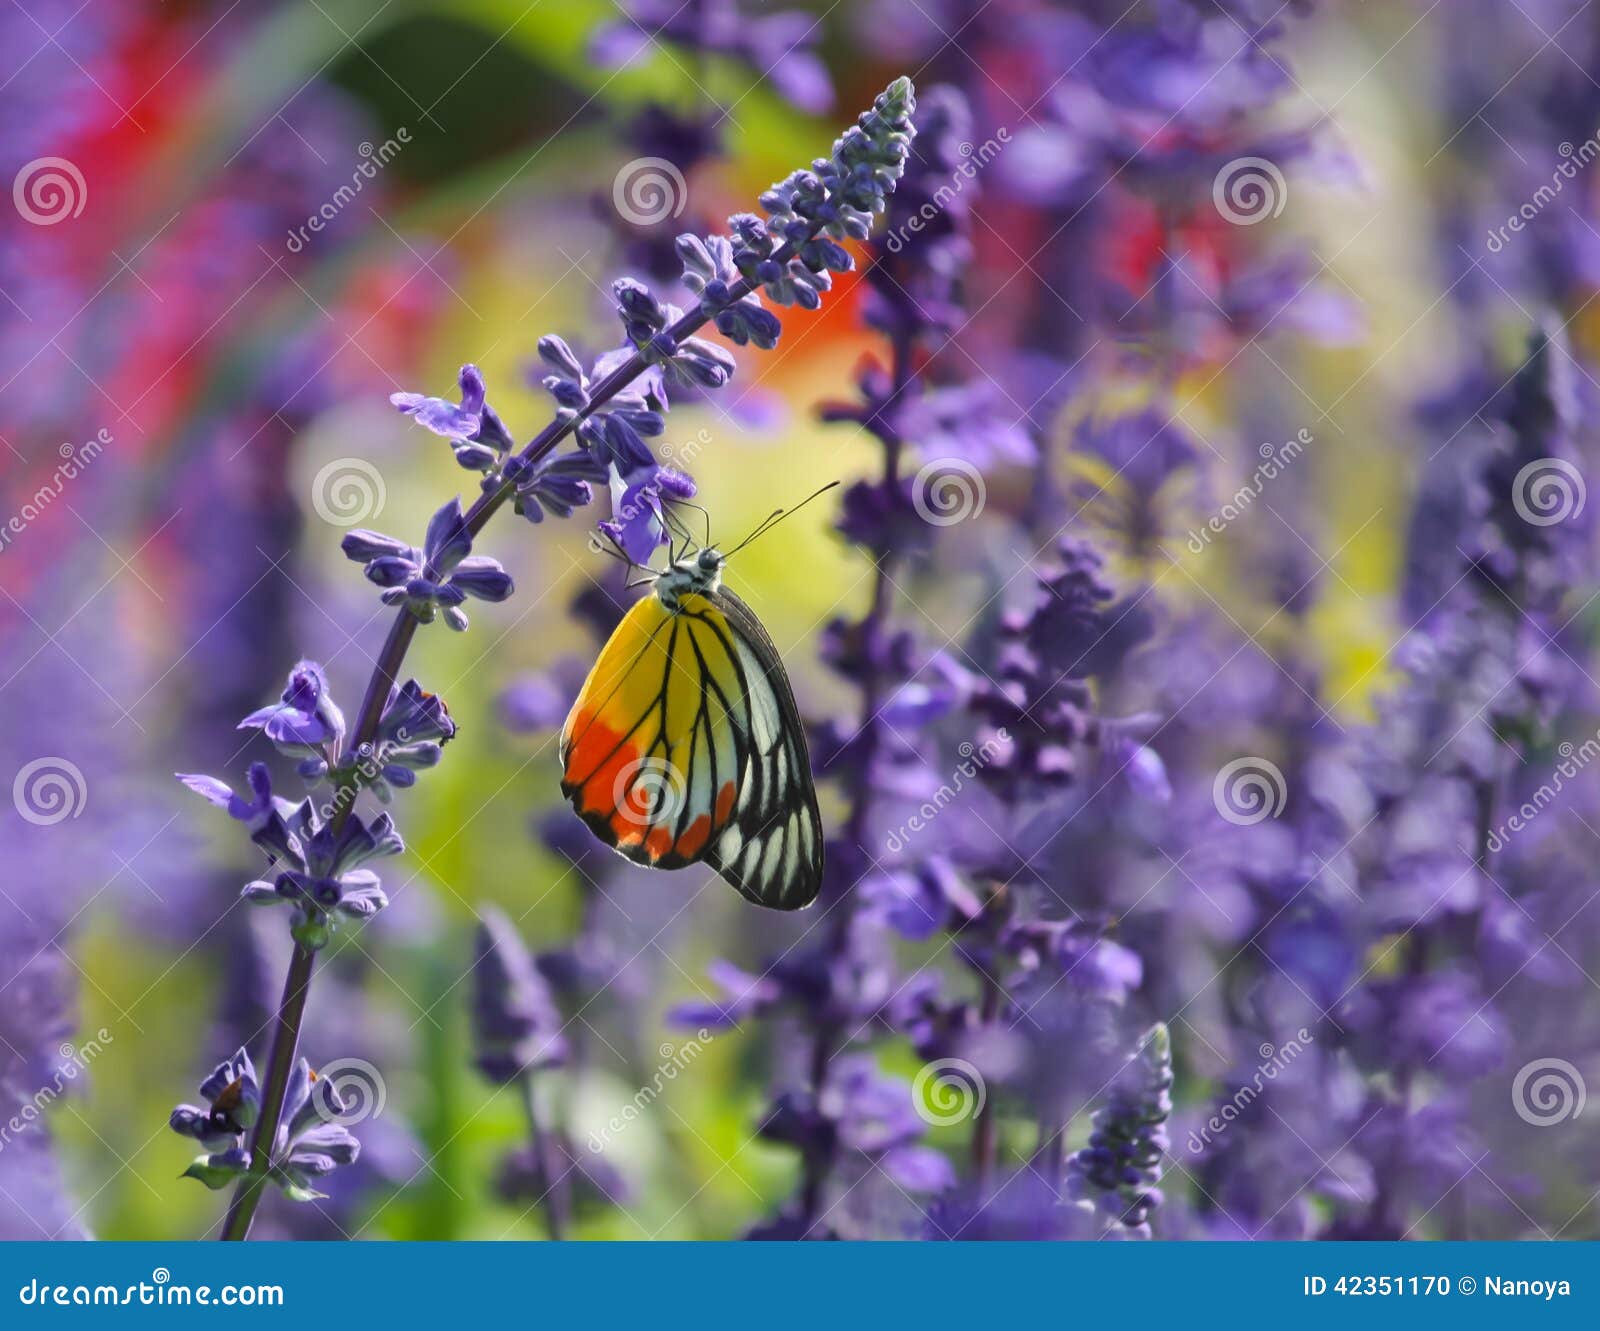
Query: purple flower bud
[[483, 578]]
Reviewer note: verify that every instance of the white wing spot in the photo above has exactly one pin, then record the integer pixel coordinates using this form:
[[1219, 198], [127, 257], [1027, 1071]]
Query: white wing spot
[[772, 855], [767, 721]]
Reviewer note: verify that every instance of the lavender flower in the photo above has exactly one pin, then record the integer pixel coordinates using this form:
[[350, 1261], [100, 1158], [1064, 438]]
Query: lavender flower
[[319, 854], [307, 723], [311, 1143], [476, 434], [253, 811], [439, 576], [516, 1026], [319, 869], [412, 732], [1121, 1165]]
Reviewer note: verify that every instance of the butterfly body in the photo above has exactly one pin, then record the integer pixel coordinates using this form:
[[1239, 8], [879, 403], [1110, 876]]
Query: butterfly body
[[685, 744]]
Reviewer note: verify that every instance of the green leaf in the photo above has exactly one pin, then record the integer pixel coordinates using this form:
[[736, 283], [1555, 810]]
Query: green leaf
[[213, 1176]]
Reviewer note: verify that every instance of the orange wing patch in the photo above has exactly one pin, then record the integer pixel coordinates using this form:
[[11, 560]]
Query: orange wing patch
[[655, 744]]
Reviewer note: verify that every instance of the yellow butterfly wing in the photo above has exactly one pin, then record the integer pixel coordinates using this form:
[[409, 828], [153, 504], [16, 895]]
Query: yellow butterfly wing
[[685, 745]]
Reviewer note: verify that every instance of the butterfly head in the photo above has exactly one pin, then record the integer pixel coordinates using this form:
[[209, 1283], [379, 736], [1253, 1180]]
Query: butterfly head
[[700, 572]]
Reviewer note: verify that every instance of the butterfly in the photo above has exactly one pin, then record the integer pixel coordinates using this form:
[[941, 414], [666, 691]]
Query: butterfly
[[685, 745]]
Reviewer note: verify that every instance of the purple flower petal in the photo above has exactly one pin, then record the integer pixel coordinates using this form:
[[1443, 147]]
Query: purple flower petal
[[447, 541], [483, 577], [364, 546]]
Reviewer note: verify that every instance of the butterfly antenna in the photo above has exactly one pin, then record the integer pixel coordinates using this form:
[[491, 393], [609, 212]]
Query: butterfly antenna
[[776, 516], [676, 525], [705, 512], [612, 549]]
